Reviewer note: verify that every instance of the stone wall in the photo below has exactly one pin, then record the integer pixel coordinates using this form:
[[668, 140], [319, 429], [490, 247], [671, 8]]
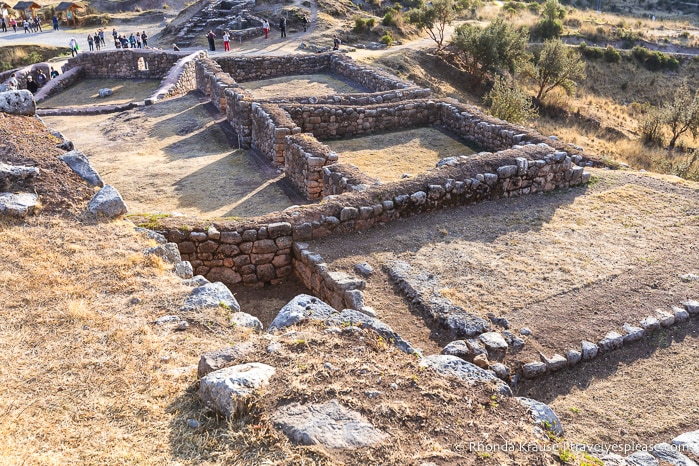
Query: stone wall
[[270, 125], [304, 159], [60, 83], [341, 178], [180, 79], [335, 121], [125, 63], [213, 81], [251, 251], [254, 68]]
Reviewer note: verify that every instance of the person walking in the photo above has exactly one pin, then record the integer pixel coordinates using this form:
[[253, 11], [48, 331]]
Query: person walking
[[212, 45], [3, 24], [26, 26], [282, 26], [41, 78], [55, 22], [37, 23], [132, 41], [90, 42], [13, 23], [226, 42], [73, 44], [265, 28], [304, 21], [336, 43]]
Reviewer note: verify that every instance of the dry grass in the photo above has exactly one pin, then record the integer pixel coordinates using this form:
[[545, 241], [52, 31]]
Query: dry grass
[[388, 156], [85, 93], [299, 86], [173, 157]]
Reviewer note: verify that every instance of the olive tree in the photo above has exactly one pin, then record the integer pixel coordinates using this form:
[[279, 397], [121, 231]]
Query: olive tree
[[682, 113], [508, 101], [558, 66], [434, 18]]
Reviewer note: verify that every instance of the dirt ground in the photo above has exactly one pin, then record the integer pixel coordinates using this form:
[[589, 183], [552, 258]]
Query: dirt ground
[[174, 157], [387, 156], [299, 86], [86, 93]]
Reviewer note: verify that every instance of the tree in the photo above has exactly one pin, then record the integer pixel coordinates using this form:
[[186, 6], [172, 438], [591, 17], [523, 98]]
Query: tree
[[434, 18], [558, 66], [493, 50], [509, 102], [550, 25], [682, 114]]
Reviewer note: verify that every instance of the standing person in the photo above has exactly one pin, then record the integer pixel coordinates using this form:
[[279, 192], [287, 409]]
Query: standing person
[[132, 41], [226, 42], [115, 35], [265, 27], [13, 23], [90, 42], [3, 24], [26, 26], [336, 43], [13, 84], [282, 26], [212, 45], [124, 41], [304, 21], [53, 73], [73, 44], [37, 23], [97, 40], [144, 38], [31, 85], [41, 78], [55, 22], [138, 39], [101, 35]]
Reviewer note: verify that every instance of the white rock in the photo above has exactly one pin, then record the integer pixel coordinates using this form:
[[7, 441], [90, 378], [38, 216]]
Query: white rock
[[228, 391]]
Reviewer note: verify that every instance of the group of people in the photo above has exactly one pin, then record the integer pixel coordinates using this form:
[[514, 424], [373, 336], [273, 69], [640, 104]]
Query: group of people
[[32, 85], [29, 24], [282, 26], [211, 35], [134, 41]]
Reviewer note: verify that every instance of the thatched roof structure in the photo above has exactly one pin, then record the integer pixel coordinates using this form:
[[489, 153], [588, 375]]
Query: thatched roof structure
[[64, 6]]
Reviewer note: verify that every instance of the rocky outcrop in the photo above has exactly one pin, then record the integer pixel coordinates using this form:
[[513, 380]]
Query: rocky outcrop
[[80, 164]]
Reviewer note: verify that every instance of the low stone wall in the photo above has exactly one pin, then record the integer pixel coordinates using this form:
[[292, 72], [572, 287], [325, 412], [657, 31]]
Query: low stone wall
[[180, 79], [213, 81], [366, 76], [304, 159], [270, 125], [254, 68], [230, 252], [334, 121], [60, 83], [125, 63], [341, 178]]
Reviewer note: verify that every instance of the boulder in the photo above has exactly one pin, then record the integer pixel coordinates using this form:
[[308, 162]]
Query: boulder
[[665, 318], [464, 349], [534, 369], [641, 458], [11, 175], [364, 269], [243, 319], [107, 203], [168, 252], [689, 441], [154, 235], [302, 307], [210, 295], [197, 280], [183, 269], [329, 424], [495, 345], [681, 315], [669, 454], [543, 415], [228, 391], [632, 333], [573, 357], [691, 306], [18, 204], [446, 365], [589, 350], [650, 324], [17, 102], [356, 318], [215, 360], [611, 342], [554, 363], [514, 342], [105, 92], [79, 163]]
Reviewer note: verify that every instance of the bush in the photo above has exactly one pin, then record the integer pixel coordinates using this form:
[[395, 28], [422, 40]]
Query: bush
[[363, 25], [591, 53], [389, 19], [573, 23], [507, 101], [547, 29], [386, 39], [650, 127], [534, 7], [611, 55], [655, 60]]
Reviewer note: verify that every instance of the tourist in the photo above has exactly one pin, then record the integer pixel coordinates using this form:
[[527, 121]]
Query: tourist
[[138, 40], [96, 37], [55, 22], [115, 35], [101, 34], [90, 42], [124, 42], [26, 26], [3, 24], [41, 78], [336, 42], [144, 38], [37, 23], [226, 42], [13, 23], [265, 28], [31, 85], [304, 21], [53, 73], [73, 44], [282, 26], [212, 45], [13, 84]]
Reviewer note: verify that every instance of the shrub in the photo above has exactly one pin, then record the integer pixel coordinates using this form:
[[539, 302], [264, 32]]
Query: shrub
[[572, 22], [591, 53], [386, 39], [510, 102], [650, 127], [389, 19], [655, 60], [611, 55], [547, 29], [534, 7], [361, 25]]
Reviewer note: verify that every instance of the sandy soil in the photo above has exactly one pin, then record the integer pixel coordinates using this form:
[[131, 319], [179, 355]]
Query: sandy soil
[[299, 86], [86, 93], [388, 156], [174, 156]]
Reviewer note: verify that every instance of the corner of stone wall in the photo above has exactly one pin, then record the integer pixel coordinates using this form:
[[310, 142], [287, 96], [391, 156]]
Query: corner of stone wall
[[304, 160], [339, 178]]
